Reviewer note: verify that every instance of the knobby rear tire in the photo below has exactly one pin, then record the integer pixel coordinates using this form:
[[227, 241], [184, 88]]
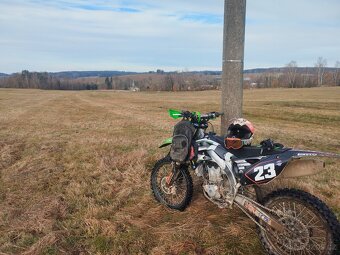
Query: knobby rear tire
[[309, 201], [160, 195]]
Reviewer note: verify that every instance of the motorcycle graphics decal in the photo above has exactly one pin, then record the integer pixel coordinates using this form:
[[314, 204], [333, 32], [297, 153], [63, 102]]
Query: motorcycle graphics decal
[[268, 168], [263, 171]]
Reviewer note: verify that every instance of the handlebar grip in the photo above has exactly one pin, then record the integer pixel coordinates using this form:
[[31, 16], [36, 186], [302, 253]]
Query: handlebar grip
[[186, 114], [215, 114]]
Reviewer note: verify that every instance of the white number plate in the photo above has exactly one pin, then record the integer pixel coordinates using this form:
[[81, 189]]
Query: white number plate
[[265, 172]]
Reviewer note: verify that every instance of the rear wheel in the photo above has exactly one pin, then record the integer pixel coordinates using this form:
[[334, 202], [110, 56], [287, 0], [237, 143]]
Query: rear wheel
[[312, 228], [171, 186]]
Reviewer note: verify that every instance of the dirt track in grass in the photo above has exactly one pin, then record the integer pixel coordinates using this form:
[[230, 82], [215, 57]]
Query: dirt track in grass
[[74, 169]]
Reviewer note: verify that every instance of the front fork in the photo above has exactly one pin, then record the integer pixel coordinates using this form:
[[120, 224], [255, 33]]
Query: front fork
[[172, 177]]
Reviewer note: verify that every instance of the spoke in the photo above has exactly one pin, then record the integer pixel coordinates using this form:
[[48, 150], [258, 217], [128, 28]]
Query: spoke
[[319, 238], [316, 226], [315, 244], [307, 224], [303, 208], [284, 208], [289, 209], [309, 251]]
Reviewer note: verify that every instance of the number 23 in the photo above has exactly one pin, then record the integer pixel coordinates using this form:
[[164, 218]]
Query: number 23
[[269, 168]]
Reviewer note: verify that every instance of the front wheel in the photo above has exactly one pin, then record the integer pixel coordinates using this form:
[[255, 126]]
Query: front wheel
[[171, 185], [312, 228]]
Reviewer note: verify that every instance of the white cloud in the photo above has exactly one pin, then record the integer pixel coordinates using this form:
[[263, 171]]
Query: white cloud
[[148, 34], [278, 32]]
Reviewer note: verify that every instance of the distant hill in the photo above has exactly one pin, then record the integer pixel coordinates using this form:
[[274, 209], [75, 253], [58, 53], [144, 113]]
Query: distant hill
[[86, 74], [83, 74]]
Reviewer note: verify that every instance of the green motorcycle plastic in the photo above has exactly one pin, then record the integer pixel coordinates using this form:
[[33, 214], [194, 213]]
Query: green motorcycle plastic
[[166, 142], [175, 114]]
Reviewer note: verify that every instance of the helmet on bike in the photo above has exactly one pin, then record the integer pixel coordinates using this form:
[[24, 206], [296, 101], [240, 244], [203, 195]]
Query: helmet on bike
[[240, 133]]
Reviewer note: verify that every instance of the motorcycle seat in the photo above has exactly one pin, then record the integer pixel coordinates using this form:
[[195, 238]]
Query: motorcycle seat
[[255, 151], [248, 151]]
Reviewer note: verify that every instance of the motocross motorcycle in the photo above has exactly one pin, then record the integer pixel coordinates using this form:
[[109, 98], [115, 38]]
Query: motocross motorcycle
[[289, 221]]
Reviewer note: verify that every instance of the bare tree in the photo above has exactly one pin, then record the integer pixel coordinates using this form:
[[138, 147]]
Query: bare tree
[[305, 77], [291, 68], [336, 74], [320, 64]]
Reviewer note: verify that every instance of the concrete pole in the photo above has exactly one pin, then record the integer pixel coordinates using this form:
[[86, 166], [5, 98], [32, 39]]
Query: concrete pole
[[233, 55]]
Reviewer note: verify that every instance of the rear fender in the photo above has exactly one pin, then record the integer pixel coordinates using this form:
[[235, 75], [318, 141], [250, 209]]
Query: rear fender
[[304, 164], [302, 167]]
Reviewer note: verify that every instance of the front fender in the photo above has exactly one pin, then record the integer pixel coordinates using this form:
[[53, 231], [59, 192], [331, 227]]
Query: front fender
[[166, 142]]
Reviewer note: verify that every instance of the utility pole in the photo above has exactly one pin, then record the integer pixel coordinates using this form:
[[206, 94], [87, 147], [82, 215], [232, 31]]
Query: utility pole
[[233, 55]]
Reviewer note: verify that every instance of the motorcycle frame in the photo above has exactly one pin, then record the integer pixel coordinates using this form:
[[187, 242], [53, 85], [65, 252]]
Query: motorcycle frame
[[251, 208]]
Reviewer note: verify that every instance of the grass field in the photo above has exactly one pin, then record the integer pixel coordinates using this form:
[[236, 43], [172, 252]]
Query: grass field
[[75, 166]]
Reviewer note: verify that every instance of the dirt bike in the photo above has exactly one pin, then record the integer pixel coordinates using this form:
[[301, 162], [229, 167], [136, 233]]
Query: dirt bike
[[289, 221]]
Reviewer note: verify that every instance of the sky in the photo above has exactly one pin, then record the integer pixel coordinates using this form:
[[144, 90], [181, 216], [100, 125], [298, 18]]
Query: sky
[[144, 35]]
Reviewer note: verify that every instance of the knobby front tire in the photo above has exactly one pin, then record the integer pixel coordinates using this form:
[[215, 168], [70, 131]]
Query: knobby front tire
[[177, 196]]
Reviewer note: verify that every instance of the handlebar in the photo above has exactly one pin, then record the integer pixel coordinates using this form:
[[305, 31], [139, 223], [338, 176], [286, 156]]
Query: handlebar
[[198, 117], [211, 115], [194, 117]]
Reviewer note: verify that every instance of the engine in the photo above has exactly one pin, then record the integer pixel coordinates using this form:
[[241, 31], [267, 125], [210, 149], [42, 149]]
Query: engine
[[216, 184]]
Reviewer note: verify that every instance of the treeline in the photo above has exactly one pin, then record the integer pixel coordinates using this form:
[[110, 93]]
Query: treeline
[[37, 80], [292, 76], [162, 82], [159, 81]]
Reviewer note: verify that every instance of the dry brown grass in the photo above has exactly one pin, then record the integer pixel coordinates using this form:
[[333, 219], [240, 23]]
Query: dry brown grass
[[74, 169]]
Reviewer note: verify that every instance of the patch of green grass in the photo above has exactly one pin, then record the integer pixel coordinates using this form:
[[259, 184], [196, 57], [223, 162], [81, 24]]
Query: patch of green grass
[[27, 240], [2, 190], [103, 244], [50, 250]]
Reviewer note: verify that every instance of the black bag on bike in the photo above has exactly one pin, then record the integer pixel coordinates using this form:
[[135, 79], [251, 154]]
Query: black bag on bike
[[181, 141]]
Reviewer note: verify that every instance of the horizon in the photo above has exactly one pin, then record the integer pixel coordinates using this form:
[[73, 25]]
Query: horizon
[[165, 71]]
